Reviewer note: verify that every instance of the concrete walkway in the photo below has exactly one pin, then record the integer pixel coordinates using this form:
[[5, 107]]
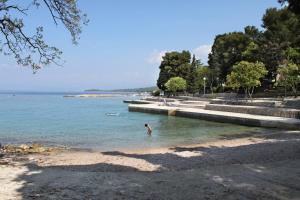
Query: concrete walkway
[[219, 116]]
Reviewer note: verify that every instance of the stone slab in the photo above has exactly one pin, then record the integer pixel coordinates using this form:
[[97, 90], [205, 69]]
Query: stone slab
[[219, 116]]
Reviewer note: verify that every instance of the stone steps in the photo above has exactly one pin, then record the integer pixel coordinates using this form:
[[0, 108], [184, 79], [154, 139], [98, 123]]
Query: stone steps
[[191, 105], [220, 116], [265, 103], [196, 102], [256, 110]]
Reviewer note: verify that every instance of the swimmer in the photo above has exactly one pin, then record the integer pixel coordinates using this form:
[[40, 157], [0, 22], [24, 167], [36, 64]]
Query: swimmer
[[149, 130]]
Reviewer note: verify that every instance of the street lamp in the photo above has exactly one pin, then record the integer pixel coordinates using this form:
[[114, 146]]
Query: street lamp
[[223, 85], [162, 92], [204, 79]]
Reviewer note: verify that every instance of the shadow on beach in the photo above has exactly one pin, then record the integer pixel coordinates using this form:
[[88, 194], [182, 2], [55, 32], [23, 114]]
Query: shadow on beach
[[267, 170]]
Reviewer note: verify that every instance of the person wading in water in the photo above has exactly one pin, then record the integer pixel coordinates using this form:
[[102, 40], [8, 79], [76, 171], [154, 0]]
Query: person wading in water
[[149, 130]]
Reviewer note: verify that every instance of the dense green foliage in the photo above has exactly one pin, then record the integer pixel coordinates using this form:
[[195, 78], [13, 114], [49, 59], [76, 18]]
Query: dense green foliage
[[226, 51], [155, 93], [176, 84], [179, 64], [174, 64], [279, 42], [192, 76], [288, 77], [206, 77], [246, 75], [293, 5], [264, 50]]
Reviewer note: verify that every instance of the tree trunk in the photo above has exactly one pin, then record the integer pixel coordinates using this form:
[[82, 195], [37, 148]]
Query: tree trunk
[[294, 89], [250, 92], [284, 90], [246, 93]]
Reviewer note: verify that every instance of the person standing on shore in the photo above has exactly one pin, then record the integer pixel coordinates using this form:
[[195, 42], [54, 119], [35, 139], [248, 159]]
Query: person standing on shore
[[149, 130]]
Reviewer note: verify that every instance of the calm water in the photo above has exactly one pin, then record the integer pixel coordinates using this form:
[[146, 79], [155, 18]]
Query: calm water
[[83, 123]]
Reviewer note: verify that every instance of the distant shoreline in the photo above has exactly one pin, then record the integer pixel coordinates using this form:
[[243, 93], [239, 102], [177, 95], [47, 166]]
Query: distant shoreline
[[102, 95], [134, 90]]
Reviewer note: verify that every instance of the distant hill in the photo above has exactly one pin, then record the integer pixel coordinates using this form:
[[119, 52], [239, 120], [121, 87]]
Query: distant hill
[[145, 89]]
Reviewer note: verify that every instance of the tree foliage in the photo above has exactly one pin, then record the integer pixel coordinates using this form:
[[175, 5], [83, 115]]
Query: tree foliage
[[246, 75], [31, 49], [281, 32], [293, 54], [227, 50], [210, 76], [192, 86], [279, 41], [260, 52], [174, 64], [293, 5], [289, 77], [176, 84]]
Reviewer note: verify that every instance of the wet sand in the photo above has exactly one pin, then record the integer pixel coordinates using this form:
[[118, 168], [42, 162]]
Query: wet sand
[[253, 165]]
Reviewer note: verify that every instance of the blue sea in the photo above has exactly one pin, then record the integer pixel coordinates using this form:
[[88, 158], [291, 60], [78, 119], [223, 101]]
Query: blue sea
[[52, 119]]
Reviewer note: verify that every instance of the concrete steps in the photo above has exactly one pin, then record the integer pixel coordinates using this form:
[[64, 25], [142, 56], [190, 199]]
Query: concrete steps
[[261, 102], [136, 101], [220, 116], [191, 105], [256, 110]]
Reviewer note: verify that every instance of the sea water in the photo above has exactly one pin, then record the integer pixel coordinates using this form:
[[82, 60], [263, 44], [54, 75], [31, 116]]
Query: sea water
[[52, 119]]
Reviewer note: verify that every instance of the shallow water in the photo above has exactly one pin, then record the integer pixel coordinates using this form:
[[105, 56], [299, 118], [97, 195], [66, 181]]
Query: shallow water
[[83, 123]]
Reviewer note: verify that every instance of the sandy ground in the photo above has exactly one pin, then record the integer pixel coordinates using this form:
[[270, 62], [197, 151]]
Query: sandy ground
[[247, 166]]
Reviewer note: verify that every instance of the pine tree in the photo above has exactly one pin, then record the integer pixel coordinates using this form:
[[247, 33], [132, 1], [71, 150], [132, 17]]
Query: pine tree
[[192, 77]]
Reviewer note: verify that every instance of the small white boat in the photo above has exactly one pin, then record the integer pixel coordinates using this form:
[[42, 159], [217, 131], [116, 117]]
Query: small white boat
[[112, 114]]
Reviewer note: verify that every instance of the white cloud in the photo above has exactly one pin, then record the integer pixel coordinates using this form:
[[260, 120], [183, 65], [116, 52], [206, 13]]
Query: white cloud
[[202, 52], [156, 57]]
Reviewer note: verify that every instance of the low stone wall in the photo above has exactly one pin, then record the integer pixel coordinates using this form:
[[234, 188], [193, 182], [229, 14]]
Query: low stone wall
[[147, 110], [256, 110], [154, 99], [222, 119], [292, 103], [245, 103], [136, 102]]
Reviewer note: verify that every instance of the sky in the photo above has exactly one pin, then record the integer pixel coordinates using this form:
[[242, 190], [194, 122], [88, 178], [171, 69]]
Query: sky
[[123, 43]]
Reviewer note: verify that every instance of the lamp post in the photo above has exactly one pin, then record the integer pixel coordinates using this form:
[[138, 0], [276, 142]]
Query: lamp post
[[204, 79], [223, 85]]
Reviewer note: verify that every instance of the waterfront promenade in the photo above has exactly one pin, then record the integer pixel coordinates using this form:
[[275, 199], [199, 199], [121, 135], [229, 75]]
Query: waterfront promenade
[[201, 112]]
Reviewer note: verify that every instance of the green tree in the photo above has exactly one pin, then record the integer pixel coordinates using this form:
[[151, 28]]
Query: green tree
[[253, 33], [31, 49], [252, 52], [176, 84], [289, 77], [226, 51], [192, 77], [281, 33], [174, 64], [293, 54], [210, 76], [246, 75], [293, 5]]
